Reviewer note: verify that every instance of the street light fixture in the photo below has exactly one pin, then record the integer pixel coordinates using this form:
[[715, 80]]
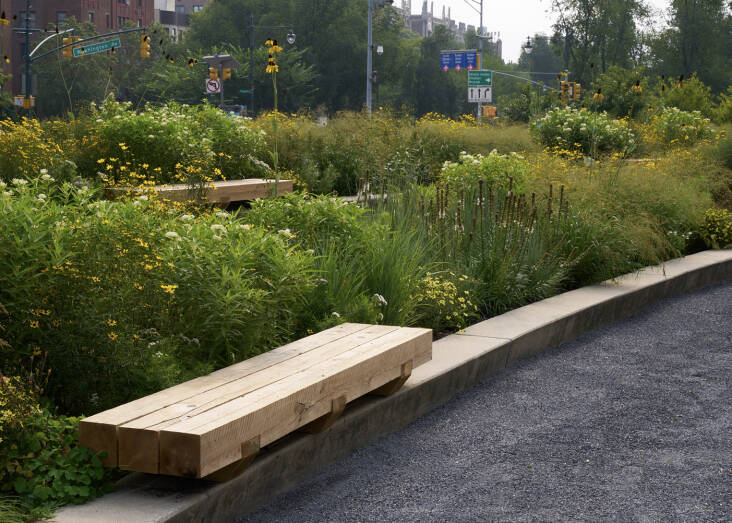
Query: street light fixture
[[527, 46], [291, 37]]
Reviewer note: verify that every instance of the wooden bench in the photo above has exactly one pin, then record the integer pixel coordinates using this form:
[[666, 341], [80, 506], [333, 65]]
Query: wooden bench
[[213, 426], [217, 192]]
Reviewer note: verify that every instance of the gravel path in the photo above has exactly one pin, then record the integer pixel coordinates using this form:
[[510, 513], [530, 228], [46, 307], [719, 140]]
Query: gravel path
[[632, 422]]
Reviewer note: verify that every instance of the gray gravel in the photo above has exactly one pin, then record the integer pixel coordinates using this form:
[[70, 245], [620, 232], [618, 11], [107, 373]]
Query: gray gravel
[[628, 423]]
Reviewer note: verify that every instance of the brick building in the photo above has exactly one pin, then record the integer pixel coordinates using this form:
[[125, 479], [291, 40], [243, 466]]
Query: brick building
[[106, 15], [5, 40]]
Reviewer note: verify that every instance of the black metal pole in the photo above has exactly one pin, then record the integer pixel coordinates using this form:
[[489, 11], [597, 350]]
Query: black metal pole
[[251, 67], [27, 56], [221, 83]]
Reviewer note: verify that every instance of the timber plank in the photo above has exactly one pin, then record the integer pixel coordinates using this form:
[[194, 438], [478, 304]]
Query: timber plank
[[138, 439], [202, 444], [221, 191], [99, 432]]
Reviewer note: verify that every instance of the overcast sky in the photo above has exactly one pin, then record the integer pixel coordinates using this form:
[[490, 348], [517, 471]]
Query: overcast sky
[[514, 19]]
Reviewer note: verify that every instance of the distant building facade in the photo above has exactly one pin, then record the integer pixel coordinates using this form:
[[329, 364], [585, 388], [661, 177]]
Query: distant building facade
[[189, 6], [425, 22], [175, 22], [107, 16], [6, 42]]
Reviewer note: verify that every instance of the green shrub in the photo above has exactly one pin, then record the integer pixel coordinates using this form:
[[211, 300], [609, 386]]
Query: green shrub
[[494, 169], [625, 92], [724, 151], [716, 229], [131, 297], [42, 465], [591, 133], [527, 104], [156, 143], [26, 149], [444, 302], [314, 220], [671, 126], [723, 112], [691, 94]]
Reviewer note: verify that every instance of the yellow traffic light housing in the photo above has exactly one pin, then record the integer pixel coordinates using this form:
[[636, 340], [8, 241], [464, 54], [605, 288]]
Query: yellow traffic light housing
[[226, 74], [213, 73], [144, 46], [66, 52], [577, 91], [564, 88]]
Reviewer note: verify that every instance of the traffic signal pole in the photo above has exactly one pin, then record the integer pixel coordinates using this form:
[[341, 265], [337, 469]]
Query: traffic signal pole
[[27, 57]]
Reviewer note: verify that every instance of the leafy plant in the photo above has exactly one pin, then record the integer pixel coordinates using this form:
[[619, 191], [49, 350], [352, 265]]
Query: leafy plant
[[585, 131], [671, 126], [716, 229], [499, 170]]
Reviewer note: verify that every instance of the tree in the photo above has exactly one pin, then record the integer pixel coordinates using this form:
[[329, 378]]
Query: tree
[[698, 40], [541, 60], [593, 35]]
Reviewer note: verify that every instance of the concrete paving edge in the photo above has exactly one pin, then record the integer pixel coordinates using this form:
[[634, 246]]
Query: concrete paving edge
[[459, 361]]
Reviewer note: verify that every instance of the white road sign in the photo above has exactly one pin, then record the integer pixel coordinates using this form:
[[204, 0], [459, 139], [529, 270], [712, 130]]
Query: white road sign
[[480, 94], [213, 86]]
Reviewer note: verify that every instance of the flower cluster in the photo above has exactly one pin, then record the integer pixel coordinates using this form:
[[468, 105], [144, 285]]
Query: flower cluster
[[586, 131], [272, 66], [494, 169], [672, 126]]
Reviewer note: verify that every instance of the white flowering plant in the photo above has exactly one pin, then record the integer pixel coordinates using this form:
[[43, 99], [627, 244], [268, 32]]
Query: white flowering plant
[[673, 127], [495, 169], [572, 130]]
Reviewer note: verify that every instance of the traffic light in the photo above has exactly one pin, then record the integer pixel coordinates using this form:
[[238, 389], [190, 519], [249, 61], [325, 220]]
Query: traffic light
[[66, 52], [213, 73], [144, 46], [577, 89], [565, 90], [226, 74]]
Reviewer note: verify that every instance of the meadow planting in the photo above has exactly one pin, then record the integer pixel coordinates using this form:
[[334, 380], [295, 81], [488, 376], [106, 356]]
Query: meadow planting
[[105, 301]]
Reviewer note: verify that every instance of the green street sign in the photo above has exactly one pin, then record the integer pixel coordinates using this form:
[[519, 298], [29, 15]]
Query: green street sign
[[480, 78], [99, 47]]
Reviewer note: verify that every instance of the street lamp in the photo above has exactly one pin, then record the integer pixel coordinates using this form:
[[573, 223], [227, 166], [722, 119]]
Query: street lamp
[[369, 64], [290, 37], [527, 46]]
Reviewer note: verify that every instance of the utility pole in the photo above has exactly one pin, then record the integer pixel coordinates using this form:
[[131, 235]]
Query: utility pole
[[27, 56], [369, 66], [251, 66]]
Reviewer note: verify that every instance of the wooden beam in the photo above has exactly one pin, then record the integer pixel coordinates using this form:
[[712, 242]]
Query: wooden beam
[[202, 444], [138, 439], [99, 432], [214, 192]]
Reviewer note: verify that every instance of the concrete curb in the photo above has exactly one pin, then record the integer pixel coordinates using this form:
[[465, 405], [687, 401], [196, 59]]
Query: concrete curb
[[459, 361]]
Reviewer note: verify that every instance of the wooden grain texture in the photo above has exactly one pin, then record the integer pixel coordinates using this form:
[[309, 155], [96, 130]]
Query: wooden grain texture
[[202, 444], [216, 192], [99, 432], [138, 439]]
